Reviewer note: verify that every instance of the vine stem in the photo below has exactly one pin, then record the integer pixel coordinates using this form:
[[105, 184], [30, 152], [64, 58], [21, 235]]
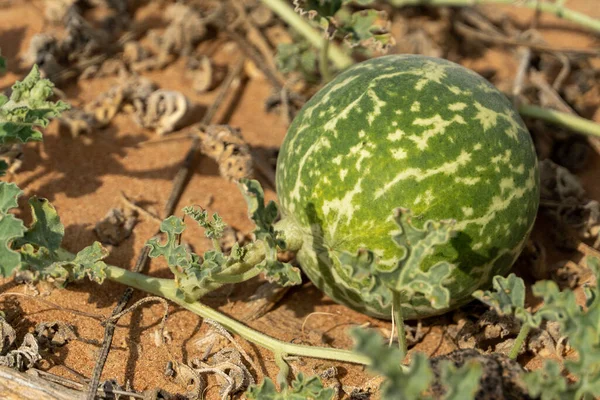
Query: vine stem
[[167, 289], [514, 351], [399, 318], [324, 61], [545, 6], [340, 59], [284, 369], [565, 120]]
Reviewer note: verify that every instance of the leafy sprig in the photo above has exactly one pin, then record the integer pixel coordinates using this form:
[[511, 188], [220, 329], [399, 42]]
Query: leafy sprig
[[28, 108], [413, 382], [301, 388], [582, 327], [11, 228], [580, 324], [196, 275], [264, 218], [367, 28]]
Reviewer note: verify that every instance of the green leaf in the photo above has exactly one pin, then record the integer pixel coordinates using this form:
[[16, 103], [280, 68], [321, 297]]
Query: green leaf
[[508, 298], [284, 274], [460, 383], [175, 253], [46, 229], [264, 217], [302, 388], [546, 383], [408, 277], [11, 228], [298, 56], [366, 28], [47, 266], [27, 109], [581, 326], [400, 384], [508, 294], [87, 263], [213, 229]]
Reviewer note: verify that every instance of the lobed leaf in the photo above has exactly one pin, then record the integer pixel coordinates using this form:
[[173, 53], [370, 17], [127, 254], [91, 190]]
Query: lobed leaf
[[461, 383], [11, 228], [46, 230], [175, 253], [46, 264], [409, 277], [298, 56], [546, 383], [366, 28], [27, 108], [400, 384], [213, 228], [508, 298], [508, 294], [581, 326], [87, 263], [302, 388], [264, 217], [284, 274]]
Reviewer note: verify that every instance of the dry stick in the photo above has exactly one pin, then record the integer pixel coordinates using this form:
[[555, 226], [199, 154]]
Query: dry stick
[[109, 329], [526, 54], [521, 74], [466, 30], [253, 55], [68, 383], [550, 7], [139, 209], [259, 39]]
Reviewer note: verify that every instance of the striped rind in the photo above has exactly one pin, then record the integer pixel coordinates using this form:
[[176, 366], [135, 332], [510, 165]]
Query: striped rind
[[415, 132]]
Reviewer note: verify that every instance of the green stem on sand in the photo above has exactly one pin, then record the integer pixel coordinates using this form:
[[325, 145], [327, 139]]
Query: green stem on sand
[[303, 27], [399, 319], [514, 351], [569, 121], [166, 288], [546, 6]]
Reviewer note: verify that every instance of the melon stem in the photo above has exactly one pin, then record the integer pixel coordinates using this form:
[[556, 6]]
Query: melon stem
[[168, 289], [324, 61], [292, 234], [523, 333], [284, 369], [399, 319]]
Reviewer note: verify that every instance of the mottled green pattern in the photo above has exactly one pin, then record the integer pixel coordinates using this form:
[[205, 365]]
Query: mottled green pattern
[[416, 132]]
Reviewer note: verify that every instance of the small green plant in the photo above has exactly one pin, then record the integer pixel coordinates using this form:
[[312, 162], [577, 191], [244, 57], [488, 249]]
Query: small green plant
[[26, 109], [365, 29], [301, 388], [413, 382]]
